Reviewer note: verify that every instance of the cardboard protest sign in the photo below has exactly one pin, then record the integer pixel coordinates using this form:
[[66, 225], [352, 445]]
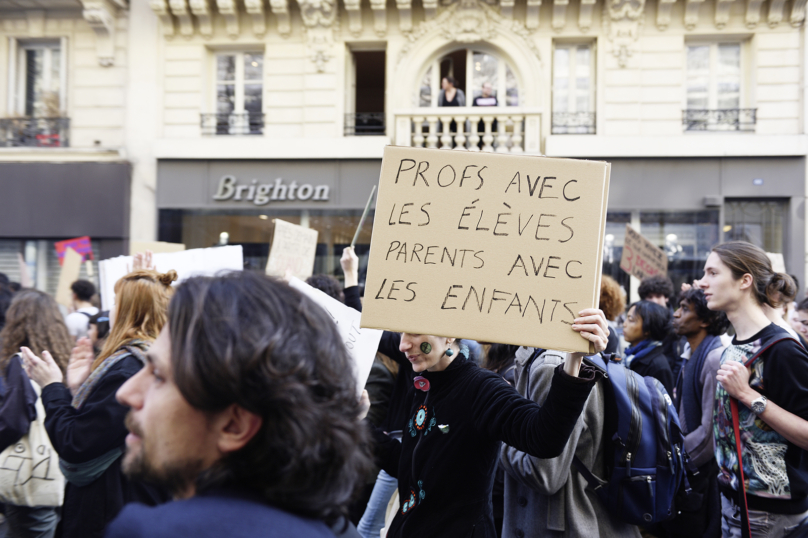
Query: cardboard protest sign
[[187, 263], [641, 258], [80, 244], [71, 266], [361, 343], [492, 247], [154, 246], [778, 262], [293, 248]]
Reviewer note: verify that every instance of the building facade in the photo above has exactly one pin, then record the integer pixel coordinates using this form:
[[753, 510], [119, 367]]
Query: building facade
[[232, 114]]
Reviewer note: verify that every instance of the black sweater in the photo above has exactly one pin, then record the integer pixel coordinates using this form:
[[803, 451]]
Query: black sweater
[[445, 464], [81, 435]]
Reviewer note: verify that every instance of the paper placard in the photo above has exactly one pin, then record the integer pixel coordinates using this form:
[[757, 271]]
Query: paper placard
[[778, 262], [362, 344], [81, 245], [71, 266], [187, 263], [293, 248], [154, 246], [641, 258], [491, 247]]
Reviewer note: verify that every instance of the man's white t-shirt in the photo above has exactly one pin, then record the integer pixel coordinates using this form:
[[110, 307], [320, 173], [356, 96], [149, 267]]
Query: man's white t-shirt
[[79, 321]]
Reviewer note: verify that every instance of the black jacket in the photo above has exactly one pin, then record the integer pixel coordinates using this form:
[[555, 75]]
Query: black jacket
[[445, 464], [85, 434], [656, 365]]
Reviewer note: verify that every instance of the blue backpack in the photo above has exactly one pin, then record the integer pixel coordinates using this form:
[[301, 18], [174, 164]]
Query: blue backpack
[[645, 462]]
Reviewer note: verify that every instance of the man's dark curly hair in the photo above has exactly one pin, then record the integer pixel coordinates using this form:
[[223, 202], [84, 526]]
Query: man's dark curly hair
[[84, 289], [655, 285], [718, 322], [328, 285], [246, 339]]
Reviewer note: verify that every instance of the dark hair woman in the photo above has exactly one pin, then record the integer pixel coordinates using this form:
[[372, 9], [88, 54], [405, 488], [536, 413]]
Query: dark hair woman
[[458, 413], [33, 320], [646, 327], [772, 392], [84, 420]]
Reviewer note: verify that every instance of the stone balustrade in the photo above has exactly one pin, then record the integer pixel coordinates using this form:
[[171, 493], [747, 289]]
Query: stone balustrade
[[495, 129]]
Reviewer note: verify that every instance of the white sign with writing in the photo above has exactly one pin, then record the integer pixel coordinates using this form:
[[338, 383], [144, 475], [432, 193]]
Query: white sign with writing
[[361, 343], [293, 249]]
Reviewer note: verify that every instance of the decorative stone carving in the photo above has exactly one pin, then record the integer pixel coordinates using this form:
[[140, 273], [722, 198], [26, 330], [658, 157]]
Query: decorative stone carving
[[404, 15], [430, 9], [319, 17], [585, 15], [354, 10], [229, 10], [722, 8], [179, 8], [623, 19], [100, 14], [280, 8], [663, 16], [532, 14], [776, 12], [379, 9], [753, 13], [255, 9], [559, 14], [692, 13], [201, 10], [469, 21], [797, 13], [160, 8], [506, 8]]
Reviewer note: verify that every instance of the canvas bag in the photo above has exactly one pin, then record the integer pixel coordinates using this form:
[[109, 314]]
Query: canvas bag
[[29, 468]]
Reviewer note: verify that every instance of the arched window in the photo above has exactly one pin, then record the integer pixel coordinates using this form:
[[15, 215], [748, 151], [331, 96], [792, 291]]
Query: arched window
[[471, 69]]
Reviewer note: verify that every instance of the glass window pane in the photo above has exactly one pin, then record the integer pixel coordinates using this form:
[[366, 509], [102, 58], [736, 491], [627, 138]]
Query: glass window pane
[[425, 91], [698, 77], [225, 98], [484, 69], [252, 98], [729, 76], [758, 222], [511, 87], [34, 59], [225, 67], [253, 66]]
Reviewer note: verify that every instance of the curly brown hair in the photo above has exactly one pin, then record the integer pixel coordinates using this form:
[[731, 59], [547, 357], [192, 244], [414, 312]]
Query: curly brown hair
[[33, 320], [612, 300]]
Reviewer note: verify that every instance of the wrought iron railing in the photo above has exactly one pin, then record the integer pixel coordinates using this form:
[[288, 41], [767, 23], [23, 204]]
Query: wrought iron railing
[[35, 132], [364, 124], [573, 123], [243, 123], [725, 119]]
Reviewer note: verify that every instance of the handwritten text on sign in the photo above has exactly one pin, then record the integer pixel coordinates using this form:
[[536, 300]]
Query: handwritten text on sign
[[293, 249], [641, 258], [497, 248]]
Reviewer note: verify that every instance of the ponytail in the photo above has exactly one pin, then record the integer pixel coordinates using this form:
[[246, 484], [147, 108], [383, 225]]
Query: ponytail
[[780, 289]]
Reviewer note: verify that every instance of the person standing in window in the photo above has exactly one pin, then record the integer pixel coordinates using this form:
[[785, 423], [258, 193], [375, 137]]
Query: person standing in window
[[486, 99], [450, 94]]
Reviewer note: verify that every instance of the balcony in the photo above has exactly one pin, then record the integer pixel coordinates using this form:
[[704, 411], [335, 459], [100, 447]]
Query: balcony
[[727, 119], [573, 123], [364, 124], [35, 132], [241, 123], [497, 129]]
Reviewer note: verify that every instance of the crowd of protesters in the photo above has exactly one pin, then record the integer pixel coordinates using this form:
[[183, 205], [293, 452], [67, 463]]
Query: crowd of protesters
[[227, 406]]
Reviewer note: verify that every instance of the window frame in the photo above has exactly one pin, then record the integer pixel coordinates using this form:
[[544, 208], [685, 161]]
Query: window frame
[[744, 93], [17, 72], [239, 82], [571, 98]]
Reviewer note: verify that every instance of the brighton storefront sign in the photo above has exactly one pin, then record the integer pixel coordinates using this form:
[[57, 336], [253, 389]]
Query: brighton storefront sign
[[261, 194]]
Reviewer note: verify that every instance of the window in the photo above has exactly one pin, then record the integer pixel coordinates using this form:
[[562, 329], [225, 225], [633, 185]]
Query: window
[[760, 222], [714, 89], [365, 99], [471, 70], [573, 89], [38, 101], [239, 95]]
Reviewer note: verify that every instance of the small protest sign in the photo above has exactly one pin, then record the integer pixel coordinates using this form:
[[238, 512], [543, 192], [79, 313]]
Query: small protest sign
[[778, 262], [492, 247], [81, 245], [641, 258], [187, 263], [154, 246], [361, 343], [293, 249], [71, 266]]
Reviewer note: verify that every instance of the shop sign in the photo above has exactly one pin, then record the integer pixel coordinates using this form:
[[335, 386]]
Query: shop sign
[[263, 193]]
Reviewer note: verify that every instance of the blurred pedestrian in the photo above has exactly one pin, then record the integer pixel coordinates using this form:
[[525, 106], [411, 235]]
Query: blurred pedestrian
[[646, 327], [98, 331], [612, 303], [34, 323], [84, 420], [83, 309], [250, 418], [657, 289]]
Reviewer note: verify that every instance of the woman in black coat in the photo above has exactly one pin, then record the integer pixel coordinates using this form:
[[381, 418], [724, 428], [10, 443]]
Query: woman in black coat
[[646, 327], [84, 420], [457, 415]]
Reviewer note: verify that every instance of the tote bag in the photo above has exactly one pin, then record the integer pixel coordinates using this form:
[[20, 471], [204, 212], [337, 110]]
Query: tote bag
[[29, 468]]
